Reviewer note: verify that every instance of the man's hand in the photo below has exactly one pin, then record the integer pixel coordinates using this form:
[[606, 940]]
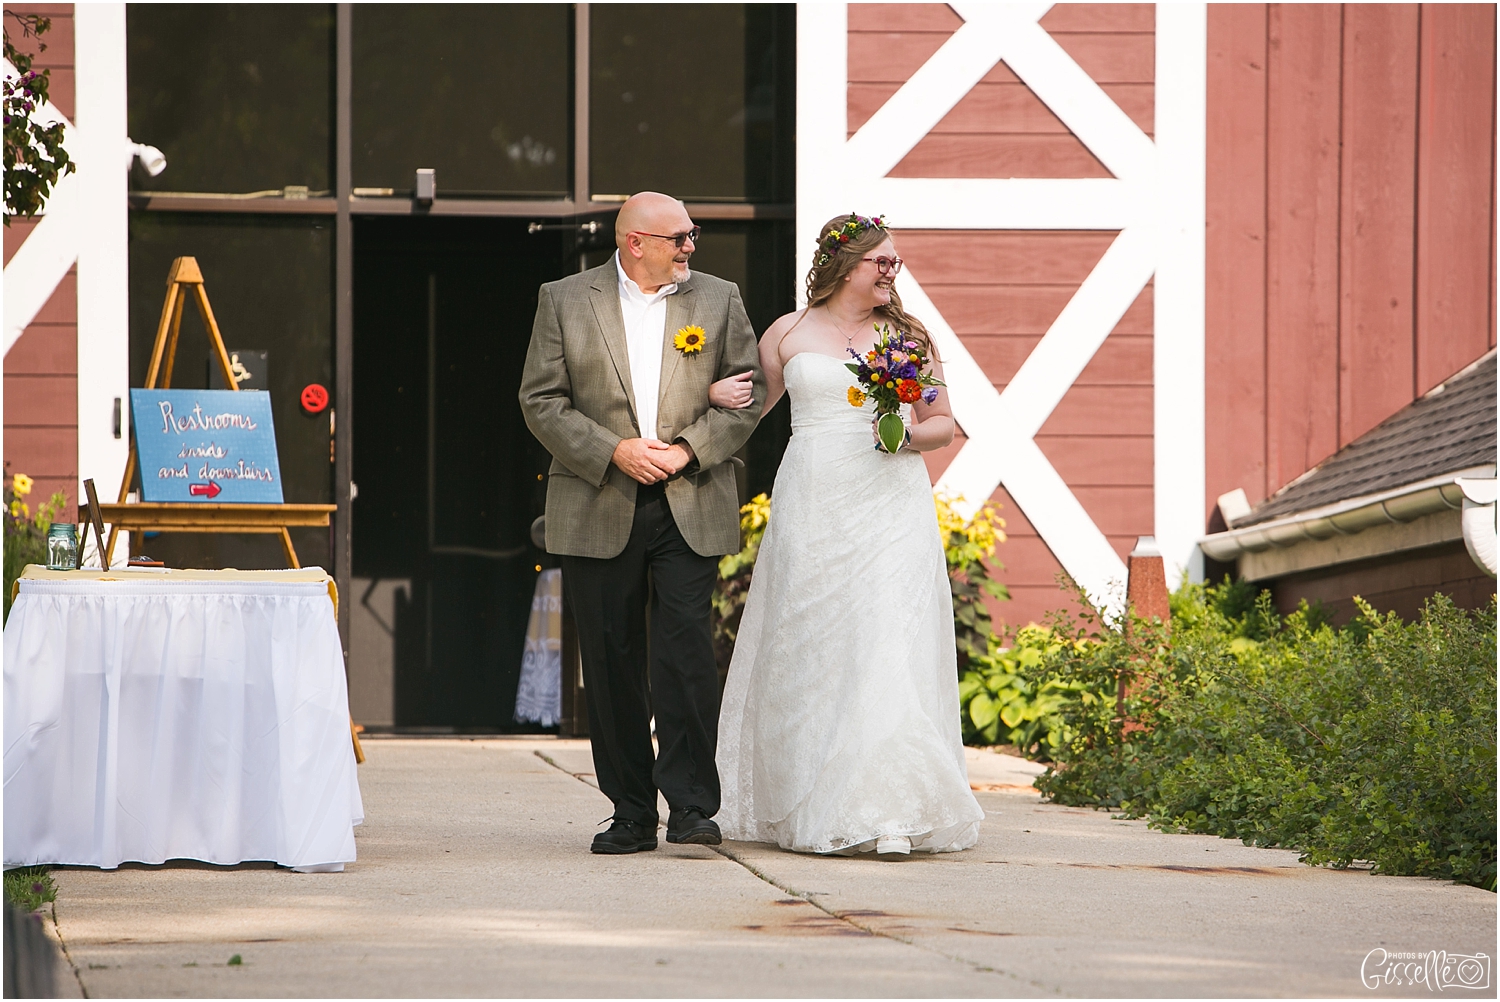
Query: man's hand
[[676, 456], [733, 392], [646, 460]]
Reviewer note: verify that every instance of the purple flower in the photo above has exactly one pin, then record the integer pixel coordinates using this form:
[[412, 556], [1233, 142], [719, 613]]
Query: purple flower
[[929, 394]]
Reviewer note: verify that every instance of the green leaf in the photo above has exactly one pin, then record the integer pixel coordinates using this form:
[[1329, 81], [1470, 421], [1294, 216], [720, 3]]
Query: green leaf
[[983, 710]]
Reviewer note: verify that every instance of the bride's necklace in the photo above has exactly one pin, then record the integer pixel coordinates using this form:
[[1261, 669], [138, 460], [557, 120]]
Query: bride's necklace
[[848, 338]]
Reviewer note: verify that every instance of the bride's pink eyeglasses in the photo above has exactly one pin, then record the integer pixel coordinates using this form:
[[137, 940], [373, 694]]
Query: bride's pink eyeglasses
[[886, 265]]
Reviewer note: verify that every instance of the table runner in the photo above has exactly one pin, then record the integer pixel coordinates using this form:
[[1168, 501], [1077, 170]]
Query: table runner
[[165, 717]]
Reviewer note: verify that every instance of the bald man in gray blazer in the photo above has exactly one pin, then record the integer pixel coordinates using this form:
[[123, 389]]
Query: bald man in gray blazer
[[617, 387]]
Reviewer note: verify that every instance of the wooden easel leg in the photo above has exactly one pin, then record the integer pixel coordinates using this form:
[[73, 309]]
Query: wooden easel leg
[[291, 553], [172, 307], [129, 474], [359, 752], [169, 361], [207, 313]]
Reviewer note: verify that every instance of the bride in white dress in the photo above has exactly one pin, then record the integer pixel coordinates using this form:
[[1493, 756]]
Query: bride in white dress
[[839, 730]]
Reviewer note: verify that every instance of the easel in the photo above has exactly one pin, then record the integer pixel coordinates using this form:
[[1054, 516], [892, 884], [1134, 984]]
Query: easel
[[184, 280]]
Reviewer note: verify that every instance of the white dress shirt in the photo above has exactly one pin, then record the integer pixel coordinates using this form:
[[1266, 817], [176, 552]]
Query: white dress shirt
[[645, 333]]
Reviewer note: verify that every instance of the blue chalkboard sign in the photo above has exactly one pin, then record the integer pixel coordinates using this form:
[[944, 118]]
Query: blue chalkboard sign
[[206, 445]]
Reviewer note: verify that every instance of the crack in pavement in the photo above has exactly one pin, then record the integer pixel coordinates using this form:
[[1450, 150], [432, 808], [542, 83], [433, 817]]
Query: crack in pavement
[[67, 955], [809, 897]]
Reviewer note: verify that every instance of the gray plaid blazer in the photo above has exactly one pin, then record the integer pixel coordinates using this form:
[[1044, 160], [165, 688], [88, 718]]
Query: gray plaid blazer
[[578, 402]]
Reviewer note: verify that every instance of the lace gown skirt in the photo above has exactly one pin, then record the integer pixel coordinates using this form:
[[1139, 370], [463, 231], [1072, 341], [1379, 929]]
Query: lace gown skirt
[[840, 720]]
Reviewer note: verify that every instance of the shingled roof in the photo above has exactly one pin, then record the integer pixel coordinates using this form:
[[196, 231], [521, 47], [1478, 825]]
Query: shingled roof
[[1451, 428]]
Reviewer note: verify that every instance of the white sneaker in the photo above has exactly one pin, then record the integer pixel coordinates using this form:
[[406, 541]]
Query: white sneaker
[[897, 844]]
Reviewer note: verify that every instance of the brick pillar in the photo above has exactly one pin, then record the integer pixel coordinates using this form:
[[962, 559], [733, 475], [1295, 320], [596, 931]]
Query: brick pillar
[[1146, 597], [1146, 592]]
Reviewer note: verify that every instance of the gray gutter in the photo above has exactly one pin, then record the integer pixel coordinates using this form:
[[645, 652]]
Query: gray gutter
[[1346, 518]]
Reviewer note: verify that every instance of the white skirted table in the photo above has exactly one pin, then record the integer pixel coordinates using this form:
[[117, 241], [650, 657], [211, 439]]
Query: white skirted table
[[177, 715]]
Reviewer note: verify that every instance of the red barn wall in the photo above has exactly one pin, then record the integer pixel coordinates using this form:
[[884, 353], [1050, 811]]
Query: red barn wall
[[1350, 244], [41, 368], [1001, 290], [1350, 252]]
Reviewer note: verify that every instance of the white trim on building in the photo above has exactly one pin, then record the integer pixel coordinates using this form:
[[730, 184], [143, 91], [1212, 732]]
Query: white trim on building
[[103, 230]]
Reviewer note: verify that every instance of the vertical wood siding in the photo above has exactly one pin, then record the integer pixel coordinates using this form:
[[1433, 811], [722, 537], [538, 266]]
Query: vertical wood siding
[[1302, 243], [1001, 290], [1455, 189], [41, 368], [1351, 246], [1235, 298], [1377, 216]]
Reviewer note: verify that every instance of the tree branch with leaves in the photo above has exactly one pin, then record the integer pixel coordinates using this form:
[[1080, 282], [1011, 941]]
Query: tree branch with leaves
[[35, 160]]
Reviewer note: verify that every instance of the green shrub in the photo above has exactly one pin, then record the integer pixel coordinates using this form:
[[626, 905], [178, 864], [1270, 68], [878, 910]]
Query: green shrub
[[969, 549], [1373, 743], [1004, 700], [25, 533], [735, 570]]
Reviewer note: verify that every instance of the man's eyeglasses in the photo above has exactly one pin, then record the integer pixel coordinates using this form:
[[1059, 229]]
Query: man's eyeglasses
[[677, 238], [887, 265]]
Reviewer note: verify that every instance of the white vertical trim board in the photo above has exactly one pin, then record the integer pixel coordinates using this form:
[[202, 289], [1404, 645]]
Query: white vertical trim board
[[104, 245], [1178, 346], [1154, 200]]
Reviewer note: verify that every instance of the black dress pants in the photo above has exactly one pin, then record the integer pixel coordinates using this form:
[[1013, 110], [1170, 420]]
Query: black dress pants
[[608, 600]]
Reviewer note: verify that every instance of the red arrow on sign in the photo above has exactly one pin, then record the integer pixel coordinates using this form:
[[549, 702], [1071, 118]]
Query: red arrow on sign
[[210, 490]]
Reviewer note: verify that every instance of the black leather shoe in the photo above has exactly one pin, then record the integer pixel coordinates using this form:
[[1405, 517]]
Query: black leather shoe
[[624, 837], [690, 827]]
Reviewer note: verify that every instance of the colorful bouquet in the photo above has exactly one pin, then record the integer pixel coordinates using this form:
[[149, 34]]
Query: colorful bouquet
[[892, 374]]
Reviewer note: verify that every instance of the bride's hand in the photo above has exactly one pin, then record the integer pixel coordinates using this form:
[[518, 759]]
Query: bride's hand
[[733, 392]]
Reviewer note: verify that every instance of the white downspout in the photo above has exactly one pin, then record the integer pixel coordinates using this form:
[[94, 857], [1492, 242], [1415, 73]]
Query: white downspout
[[1479, 522]]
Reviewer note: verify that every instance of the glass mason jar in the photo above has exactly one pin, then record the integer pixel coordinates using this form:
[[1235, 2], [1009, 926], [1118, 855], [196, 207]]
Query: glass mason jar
[[62, 546]]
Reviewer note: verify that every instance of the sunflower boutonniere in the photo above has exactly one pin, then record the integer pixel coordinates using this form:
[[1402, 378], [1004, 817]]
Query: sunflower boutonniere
[[690, 339]]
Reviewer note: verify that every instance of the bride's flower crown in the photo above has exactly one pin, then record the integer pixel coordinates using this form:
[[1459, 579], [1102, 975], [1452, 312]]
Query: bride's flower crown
[[833, 241]]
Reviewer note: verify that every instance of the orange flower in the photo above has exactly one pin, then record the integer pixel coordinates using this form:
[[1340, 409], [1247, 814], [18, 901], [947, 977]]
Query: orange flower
[[908, 391]]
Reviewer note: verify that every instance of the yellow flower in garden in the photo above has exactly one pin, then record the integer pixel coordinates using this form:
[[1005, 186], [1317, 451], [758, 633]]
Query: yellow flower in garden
[[690, 339], [21, 484], [856, 396]]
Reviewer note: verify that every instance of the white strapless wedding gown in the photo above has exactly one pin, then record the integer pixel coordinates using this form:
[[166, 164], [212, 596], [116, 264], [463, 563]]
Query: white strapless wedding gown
[[840, 720]]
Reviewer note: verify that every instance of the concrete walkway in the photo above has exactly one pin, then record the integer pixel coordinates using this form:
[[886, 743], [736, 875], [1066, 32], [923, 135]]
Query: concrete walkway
[[474, 879]]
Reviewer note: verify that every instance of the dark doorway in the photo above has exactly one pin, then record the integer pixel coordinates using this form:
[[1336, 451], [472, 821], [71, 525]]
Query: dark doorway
[[448, 477]]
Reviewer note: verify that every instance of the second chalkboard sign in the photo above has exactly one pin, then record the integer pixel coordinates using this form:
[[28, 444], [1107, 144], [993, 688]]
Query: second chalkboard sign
[[206, 445]]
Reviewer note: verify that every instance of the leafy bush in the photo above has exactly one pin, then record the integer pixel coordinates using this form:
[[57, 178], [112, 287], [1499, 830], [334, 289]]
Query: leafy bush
[[1003, 700], [26, 534], [733, 586], [34, 158], [1373, 743], [968, 545]]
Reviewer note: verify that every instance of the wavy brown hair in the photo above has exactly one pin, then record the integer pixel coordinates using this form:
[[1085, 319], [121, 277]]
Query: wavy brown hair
[[823, 279]]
